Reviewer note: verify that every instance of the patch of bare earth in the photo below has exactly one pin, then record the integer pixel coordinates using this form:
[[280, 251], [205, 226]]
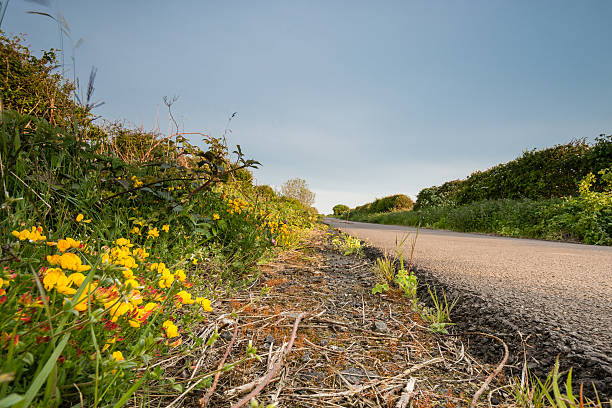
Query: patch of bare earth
[[350, 348]]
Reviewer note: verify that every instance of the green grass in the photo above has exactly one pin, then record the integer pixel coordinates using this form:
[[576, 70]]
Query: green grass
[[575, 219]]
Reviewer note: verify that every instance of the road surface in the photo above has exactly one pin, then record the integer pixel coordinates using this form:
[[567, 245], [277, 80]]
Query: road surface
[[562, 292]]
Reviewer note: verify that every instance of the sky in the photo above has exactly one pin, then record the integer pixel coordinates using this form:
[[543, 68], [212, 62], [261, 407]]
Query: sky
[[362, 99]]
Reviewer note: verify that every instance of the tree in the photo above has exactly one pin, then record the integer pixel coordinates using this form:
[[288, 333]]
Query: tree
[[341, 209], [298, 188]]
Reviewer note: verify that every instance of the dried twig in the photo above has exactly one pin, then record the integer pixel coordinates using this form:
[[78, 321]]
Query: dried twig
[[274, 370], [209, 393], [406, 394], [495, 372]]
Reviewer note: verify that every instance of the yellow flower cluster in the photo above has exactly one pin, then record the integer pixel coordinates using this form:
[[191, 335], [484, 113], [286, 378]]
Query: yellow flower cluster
[[166, 277], [81, 217], [55, 278], [153, 233], [171, 329], [137, 183], [65, 244], [68, 261], [121, 255], [33, 235], [237, 205]]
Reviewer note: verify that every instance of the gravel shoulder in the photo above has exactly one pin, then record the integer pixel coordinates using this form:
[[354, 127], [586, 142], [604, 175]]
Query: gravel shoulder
[[557, 295], [351, 349]]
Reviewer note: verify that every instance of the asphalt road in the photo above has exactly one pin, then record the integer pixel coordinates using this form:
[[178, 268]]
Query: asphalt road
[[561, 289]]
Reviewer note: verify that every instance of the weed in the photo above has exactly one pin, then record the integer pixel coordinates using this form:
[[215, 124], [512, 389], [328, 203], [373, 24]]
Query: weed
[[383, 269], [530, 392], [347, 244], [439, 315]]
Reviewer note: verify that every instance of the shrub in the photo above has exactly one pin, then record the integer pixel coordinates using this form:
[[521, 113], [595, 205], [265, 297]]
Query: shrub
[[386, 204], [265, 192], [537, 174], [438, 196], [30, 86], [341, 209]]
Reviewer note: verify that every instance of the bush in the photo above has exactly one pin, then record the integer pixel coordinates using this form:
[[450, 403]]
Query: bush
[[537, 174], [341, 209], [438, 196], [113, 247], [586, 218], [265, 191], [386, 204], [30, 86]]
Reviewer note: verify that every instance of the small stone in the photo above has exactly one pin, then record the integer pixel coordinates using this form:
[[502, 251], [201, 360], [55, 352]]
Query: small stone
[[306, 357], [225, 335], [380, 326], [269, 339], [357, 375], [323, 342]]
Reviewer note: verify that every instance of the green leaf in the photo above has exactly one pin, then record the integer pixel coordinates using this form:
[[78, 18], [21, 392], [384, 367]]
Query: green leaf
[[44, 373], [10, 400], [129, 392]]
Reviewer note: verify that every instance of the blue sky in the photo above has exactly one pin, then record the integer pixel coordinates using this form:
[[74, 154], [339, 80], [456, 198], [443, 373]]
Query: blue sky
[[362, 99]]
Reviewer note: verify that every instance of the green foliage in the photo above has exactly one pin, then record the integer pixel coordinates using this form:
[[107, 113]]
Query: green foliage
[[30, 85], [439, 315], [442, 196], [383, 269], [265, 191], [380, 288], [347, 244], [538, 174], [531, 392], [382, 205], [188, 209], [341, 209], [585, 218]]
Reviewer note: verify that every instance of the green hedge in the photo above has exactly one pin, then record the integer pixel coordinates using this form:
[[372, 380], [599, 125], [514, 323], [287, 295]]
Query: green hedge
[[537, 174], [386, 204]]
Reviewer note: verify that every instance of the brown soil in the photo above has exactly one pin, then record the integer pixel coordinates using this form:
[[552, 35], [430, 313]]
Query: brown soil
[[352, 348]]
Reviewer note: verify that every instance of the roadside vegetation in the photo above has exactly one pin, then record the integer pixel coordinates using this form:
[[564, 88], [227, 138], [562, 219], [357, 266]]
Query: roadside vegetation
[[393, 274], [116, 242], [560, 193]]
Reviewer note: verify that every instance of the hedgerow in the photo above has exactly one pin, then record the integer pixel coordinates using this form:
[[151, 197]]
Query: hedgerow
[[113, 244], [537, 174], [585, 218]]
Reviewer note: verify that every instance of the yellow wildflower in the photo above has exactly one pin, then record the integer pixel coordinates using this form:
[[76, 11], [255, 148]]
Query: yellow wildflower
[[166, 227], [79, 218], [51, 277], [205, 303], [171, 329], [118, 356], [185, 298], [216, 216], [131, 284], [180, 275], [153, 233]]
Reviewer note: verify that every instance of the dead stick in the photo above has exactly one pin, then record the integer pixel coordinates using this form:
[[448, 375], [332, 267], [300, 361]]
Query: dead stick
[[209, 393], [495, 372], [277, 366]]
